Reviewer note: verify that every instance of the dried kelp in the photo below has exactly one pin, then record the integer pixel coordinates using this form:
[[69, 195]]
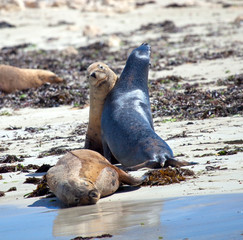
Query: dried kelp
[[167, 176]]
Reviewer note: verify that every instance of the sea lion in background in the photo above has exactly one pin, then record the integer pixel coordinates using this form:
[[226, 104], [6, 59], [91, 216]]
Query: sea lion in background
[[13, 78], [101, 80], [81, 177], [126, 123]]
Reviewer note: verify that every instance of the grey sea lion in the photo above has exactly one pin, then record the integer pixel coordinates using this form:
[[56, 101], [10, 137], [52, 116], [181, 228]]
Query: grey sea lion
[[13, 78], [126, 123], [82, 176]]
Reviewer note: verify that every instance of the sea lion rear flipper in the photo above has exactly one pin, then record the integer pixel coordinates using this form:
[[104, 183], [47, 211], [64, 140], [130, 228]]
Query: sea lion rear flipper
[[175, 163], [128, 179], [148, 164]]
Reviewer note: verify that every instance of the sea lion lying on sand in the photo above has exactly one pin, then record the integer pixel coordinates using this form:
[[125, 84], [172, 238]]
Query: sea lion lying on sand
[[101, 80], [127, 124], [81, 177], [13, 78]]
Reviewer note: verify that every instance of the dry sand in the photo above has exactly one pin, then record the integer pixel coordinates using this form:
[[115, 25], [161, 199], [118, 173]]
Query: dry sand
[[202, 137]]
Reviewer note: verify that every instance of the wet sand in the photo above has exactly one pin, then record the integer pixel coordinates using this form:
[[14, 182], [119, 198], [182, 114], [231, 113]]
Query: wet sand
[[195, 217]]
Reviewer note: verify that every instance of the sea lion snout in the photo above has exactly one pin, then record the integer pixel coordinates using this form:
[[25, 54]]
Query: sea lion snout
[[93, 75], [94, 196], [143, 51]]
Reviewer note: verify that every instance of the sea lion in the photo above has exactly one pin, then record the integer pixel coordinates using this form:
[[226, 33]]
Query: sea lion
[[101, 80], [13, 78], [126, 123], [82, 176]]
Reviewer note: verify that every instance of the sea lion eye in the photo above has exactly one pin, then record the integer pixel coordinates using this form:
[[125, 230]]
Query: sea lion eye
[[101, 67]]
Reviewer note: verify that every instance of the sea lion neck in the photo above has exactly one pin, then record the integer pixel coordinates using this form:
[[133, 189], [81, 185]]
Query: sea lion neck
[[134, 76]]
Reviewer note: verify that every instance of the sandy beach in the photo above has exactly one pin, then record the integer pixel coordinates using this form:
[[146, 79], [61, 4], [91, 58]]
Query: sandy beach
[[215, 141]]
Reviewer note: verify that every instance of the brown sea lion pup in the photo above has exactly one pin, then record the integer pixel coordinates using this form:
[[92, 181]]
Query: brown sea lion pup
[[101, 80], [81, 177], [13, 78]]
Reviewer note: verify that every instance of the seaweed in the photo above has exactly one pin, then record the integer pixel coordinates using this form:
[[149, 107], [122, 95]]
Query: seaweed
[[167, 176], [32, 180], [10, 159], [18, 167], [41, 190]]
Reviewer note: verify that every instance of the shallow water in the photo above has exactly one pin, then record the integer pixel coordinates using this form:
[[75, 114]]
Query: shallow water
[[197, 217]]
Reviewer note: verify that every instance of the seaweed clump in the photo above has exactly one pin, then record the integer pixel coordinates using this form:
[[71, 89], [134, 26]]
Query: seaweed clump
[[167, 176], [41, 190], [192, 103], [18, 167], [11, 159]]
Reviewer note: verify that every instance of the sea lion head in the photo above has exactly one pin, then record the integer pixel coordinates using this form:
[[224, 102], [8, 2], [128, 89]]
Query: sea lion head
[[142, 52], [48, 76], [99, 74], [75, 192], [135, 72]]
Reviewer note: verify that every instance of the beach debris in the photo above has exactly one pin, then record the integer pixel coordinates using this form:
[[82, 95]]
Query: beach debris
[[167, 176], [212, 168], [4, 24], [12, 189], [11, 159], [80, 129], [2, 193], [93, 237], [32, 180], [166, 26], [41, 190], [43, 168], [192, 103], [12, 5], [54, 151], [91, 31], [18, 167], [12, 128], [228, 151], [183, 4], [239, 20], [113, 41], [70, 51], [143, 3]]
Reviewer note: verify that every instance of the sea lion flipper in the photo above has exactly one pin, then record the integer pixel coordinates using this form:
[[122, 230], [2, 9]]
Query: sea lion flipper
[[126, 178], [148, 164], [176, 163], [164, 161]]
